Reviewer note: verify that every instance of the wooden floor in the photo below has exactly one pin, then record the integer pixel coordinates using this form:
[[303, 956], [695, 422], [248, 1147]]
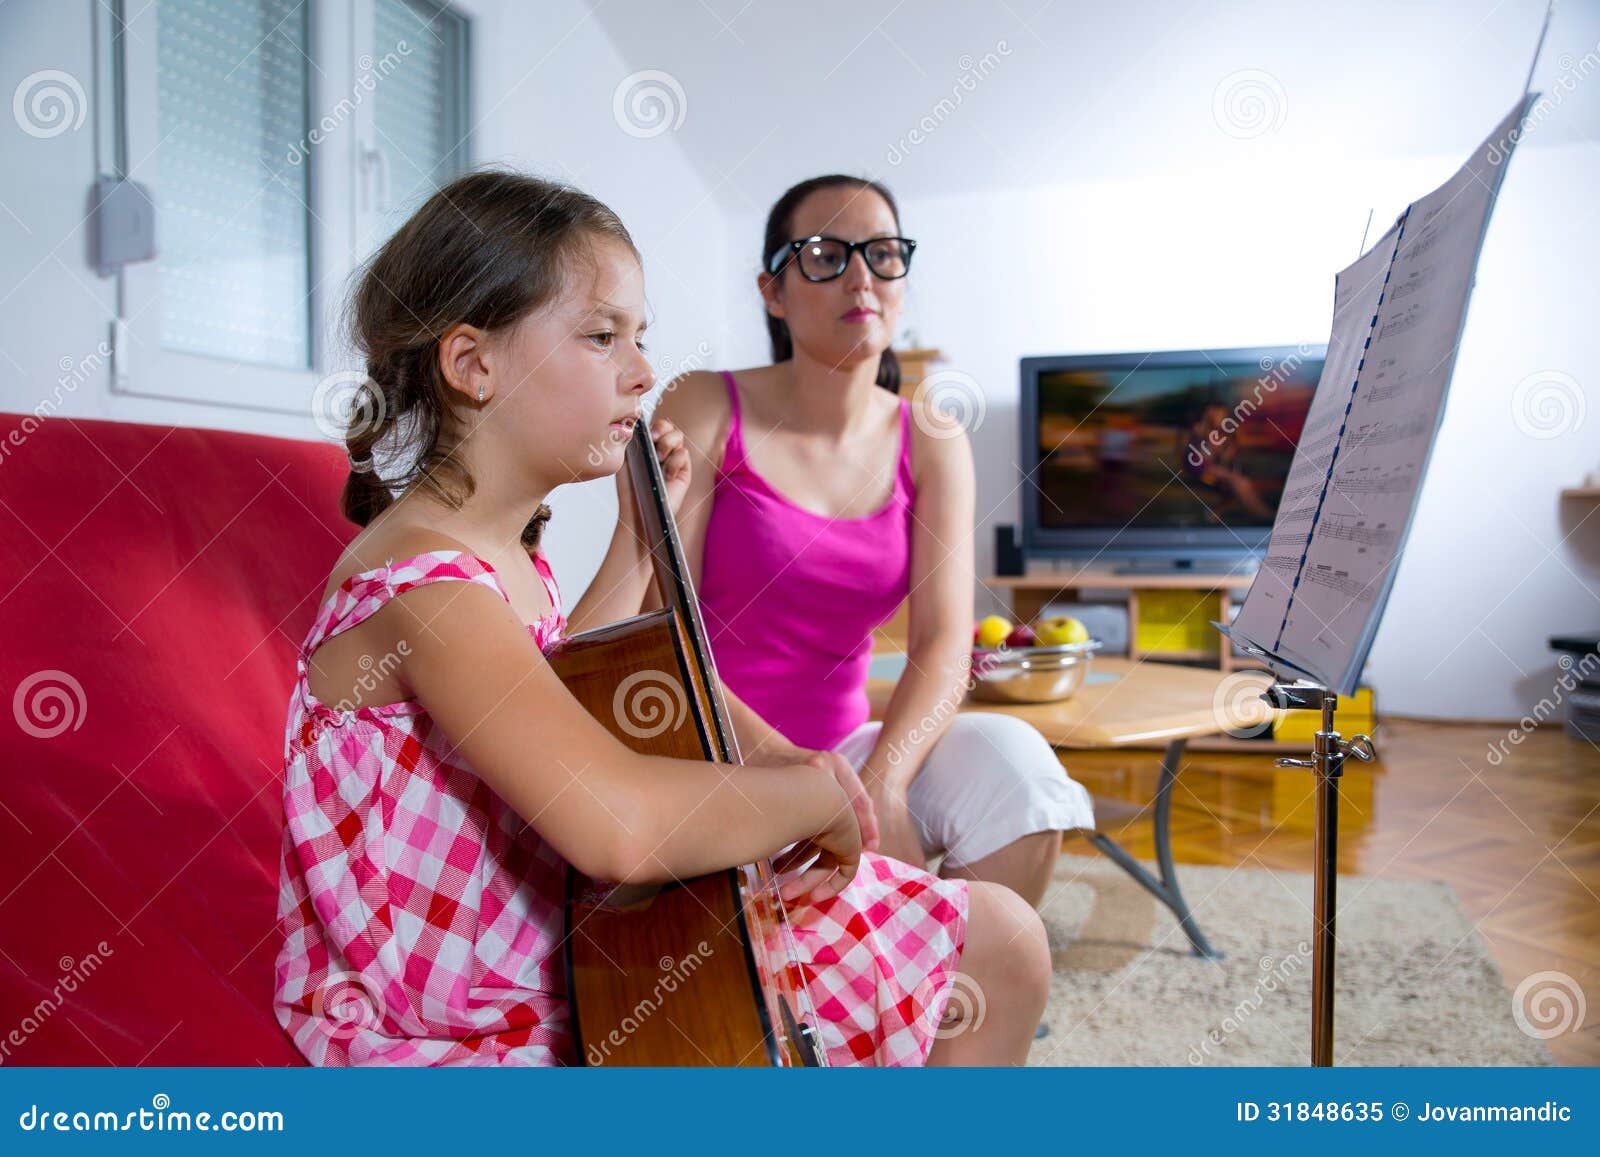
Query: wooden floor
[[1519, 842]]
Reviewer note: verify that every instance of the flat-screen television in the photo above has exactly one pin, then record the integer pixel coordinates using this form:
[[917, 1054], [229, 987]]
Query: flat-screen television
[[1160, 458]]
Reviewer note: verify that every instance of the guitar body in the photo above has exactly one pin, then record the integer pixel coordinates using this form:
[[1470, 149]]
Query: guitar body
[[701, 971]]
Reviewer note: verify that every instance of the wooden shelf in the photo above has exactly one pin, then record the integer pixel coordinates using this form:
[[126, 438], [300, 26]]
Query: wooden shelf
[[1030, 593], [1044, 578], [1225, 744]]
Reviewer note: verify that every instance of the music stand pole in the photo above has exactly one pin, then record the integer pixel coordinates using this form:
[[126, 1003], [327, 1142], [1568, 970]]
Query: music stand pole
[[1327, 763]]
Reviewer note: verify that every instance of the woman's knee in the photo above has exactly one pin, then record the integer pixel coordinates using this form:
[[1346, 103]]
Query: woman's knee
[[1010, 750], [1006, 734], [1006, 951]]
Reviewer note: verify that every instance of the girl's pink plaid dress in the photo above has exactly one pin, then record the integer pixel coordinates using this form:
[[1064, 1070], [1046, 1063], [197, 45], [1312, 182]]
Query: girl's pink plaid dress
[[423, 918]]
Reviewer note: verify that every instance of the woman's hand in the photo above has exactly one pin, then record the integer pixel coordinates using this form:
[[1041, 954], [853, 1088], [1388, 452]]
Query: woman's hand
[[837, 850], [899, 838]]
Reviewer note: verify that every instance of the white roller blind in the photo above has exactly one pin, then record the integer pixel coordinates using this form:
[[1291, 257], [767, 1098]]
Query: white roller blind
[[233, 232], [419, 106]]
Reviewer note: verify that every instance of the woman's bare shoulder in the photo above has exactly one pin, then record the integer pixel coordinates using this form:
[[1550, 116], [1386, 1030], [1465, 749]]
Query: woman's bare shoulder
[[940, 444], [697, 403], [696, 394]]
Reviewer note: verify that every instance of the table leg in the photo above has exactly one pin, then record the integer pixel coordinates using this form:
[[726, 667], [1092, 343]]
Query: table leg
[[1165, 889]]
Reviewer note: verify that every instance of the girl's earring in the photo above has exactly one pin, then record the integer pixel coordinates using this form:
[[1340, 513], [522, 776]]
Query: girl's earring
[[480, 393]]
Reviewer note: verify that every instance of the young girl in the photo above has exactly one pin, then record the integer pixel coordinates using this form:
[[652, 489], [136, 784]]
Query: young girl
[[818, 504], [440, 779]]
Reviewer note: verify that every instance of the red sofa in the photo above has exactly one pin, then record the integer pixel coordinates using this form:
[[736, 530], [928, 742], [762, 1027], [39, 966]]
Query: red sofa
[[154, 585]]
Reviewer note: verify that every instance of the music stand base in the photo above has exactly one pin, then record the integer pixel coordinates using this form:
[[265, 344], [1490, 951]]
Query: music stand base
[[1329, 752]]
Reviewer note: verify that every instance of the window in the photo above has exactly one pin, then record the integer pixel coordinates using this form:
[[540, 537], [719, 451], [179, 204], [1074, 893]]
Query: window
[[282, 141], [235, 245], [419, 124]]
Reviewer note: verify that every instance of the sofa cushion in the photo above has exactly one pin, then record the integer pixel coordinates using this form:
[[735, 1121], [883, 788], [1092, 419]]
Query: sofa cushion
[[155, 583]]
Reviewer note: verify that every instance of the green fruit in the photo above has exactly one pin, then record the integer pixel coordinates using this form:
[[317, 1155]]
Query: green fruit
[[1061, 631]]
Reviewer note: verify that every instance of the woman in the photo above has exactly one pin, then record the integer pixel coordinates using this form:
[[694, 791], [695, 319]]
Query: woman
[[818, 502]]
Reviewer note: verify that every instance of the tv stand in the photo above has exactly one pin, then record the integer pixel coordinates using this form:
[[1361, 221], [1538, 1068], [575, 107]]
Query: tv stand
[[1178, 566], [1062, 581]]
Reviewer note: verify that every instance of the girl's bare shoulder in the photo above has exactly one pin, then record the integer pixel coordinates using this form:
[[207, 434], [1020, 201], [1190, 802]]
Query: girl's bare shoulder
[[378, 546]]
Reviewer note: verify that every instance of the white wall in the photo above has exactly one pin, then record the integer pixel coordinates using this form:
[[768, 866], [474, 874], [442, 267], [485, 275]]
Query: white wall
[[544, 79], [1497, 563]]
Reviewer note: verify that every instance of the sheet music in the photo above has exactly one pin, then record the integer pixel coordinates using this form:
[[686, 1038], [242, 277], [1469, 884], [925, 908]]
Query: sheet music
[[1352, 536], [1356, 291]]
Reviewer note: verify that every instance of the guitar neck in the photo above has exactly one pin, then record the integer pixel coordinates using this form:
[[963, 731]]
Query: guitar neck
[[673, 580]]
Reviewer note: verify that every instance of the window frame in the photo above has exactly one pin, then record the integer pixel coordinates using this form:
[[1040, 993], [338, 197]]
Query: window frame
[[342, 209]]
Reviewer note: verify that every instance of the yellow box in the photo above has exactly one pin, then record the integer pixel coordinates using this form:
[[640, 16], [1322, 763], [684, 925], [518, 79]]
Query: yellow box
[[1178, 620], [1355, 713]]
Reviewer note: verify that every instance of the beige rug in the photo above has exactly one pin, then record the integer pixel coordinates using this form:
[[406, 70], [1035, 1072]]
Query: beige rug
[[1415, 983]]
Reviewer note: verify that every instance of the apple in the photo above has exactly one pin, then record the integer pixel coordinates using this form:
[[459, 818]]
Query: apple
[[1023, 636], [1061, 630], [992, 631]]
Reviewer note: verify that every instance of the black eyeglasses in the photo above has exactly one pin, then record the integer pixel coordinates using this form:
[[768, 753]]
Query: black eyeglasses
[[824, 258]]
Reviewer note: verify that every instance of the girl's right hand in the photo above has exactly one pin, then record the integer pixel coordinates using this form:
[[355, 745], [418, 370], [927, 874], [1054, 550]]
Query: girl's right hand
[[837, 848]]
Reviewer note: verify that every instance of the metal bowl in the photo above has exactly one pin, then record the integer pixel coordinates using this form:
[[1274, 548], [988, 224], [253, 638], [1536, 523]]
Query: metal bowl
[[1031, 674]]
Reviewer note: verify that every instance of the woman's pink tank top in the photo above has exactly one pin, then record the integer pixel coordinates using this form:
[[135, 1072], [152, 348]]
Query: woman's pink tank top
[[790, 597]]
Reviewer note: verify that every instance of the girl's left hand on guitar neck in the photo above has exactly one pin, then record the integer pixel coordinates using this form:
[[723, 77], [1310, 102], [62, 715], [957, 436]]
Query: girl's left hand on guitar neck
[[673, 453]]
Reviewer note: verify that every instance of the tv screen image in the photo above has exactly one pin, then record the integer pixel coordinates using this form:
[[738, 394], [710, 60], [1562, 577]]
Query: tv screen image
[[1172, 442]]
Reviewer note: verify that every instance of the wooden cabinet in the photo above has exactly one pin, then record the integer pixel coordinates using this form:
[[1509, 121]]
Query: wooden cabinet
[[1032, 592]]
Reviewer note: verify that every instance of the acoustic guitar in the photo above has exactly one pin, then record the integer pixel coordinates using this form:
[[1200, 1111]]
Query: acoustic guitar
[[696, 972]]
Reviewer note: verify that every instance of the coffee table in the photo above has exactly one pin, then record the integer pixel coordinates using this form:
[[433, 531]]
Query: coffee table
[[1125, 703]]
